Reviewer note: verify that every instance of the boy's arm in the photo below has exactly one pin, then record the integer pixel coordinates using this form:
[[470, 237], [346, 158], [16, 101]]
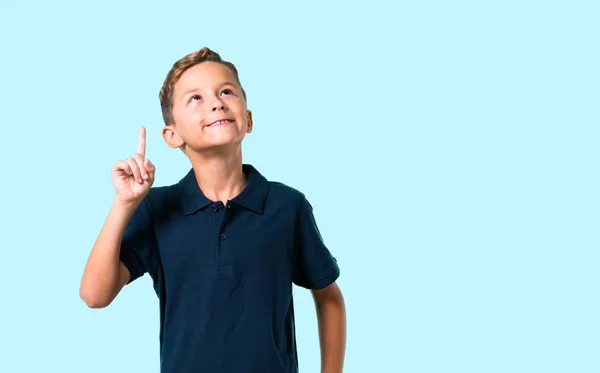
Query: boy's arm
[[331, 317], [316, 269], [105, 275]]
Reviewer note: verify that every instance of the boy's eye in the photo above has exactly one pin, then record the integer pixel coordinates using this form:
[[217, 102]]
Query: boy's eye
[[227, 91], [195, 97]]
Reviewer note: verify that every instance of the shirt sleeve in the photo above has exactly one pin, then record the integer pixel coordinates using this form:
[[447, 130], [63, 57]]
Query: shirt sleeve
[[139, 251], [313, 265]]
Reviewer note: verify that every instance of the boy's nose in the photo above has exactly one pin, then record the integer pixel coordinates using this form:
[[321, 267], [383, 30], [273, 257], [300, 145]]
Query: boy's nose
[[218, 106]]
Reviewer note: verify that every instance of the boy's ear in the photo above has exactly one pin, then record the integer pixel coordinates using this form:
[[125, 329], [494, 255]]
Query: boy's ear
[[171, 137], [250, 124]]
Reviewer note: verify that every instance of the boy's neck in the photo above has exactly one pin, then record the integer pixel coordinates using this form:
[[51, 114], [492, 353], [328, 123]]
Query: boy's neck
[[219, 176]]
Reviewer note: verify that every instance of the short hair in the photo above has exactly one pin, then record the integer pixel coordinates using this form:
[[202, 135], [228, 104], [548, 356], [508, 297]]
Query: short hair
[[179, 67]]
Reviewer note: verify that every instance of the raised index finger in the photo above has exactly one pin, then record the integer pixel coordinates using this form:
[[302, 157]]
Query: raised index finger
[[141, 147]]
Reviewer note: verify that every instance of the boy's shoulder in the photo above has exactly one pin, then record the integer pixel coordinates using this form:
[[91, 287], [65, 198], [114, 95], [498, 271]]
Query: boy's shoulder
[[161, 199], [280, 189]]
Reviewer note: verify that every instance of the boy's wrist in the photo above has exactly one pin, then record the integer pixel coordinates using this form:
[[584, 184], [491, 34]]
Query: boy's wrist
[[123, 208]]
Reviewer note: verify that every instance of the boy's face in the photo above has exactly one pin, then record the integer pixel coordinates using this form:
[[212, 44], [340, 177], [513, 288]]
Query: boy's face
[[209, 110]]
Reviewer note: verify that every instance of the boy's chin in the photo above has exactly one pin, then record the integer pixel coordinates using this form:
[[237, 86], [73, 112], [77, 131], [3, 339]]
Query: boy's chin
[[222, 145]]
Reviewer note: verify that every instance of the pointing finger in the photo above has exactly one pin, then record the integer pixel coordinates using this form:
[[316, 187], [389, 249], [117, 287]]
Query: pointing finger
[[141, 148]]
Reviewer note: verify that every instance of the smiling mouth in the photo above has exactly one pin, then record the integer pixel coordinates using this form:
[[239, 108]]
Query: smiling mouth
[[220, 122]]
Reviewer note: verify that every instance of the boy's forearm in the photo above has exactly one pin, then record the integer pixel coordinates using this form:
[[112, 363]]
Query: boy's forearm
[[100, 278], [331, 316]]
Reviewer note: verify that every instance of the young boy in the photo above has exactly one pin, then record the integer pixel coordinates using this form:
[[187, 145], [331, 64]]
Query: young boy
[[223, 246]]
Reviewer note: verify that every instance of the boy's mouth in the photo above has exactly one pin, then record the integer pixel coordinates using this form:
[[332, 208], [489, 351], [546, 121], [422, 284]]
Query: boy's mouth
[[220, 122]]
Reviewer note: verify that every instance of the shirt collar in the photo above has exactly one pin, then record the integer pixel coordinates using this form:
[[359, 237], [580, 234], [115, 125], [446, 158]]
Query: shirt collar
[[252, 197]]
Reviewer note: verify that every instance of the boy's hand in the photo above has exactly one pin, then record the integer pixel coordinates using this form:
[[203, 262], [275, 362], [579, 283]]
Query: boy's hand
[[133, 177]]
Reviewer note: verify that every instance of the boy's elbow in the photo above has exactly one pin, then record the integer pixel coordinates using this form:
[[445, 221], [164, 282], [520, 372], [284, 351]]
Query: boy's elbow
[[95, 304], [92, 299]]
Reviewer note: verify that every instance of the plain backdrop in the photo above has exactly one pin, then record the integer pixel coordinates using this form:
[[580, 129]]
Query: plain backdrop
[[449, 149]]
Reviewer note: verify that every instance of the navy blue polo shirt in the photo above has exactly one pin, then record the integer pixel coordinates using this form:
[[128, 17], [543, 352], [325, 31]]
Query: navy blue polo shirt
[[224, 273]]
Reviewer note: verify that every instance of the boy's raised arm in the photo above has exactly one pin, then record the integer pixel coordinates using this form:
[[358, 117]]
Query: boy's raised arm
[[105, 275]]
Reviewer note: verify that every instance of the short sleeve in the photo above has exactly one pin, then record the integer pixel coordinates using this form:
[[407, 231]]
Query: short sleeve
[[138, 247], [313, 265]]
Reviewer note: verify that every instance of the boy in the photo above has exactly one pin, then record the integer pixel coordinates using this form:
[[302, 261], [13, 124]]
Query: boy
[[223, 246]]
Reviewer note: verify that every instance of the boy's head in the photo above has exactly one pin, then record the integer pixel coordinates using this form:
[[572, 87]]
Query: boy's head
[[203, 103]]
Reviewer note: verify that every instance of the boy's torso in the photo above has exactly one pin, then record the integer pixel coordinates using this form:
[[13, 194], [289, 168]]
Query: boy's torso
[[224, 278]]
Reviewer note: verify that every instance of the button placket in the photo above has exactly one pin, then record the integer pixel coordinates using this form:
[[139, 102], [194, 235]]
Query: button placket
[[223, 238]]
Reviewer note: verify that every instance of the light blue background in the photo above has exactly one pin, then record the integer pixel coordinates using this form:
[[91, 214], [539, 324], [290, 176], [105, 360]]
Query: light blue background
[[450, 151]]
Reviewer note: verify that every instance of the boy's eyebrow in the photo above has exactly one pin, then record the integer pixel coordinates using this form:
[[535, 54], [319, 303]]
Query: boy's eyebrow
[[197, 89], [190, 91]]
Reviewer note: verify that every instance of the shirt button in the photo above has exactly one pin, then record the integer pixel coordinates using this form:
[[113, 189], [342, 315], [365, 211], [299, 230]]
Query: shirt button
[[222, 236], [215, 208]]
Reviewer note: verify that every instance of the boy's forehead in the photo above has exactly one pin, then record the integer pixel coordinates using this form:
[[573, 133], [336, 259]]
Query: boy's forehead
[[205, 74]]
